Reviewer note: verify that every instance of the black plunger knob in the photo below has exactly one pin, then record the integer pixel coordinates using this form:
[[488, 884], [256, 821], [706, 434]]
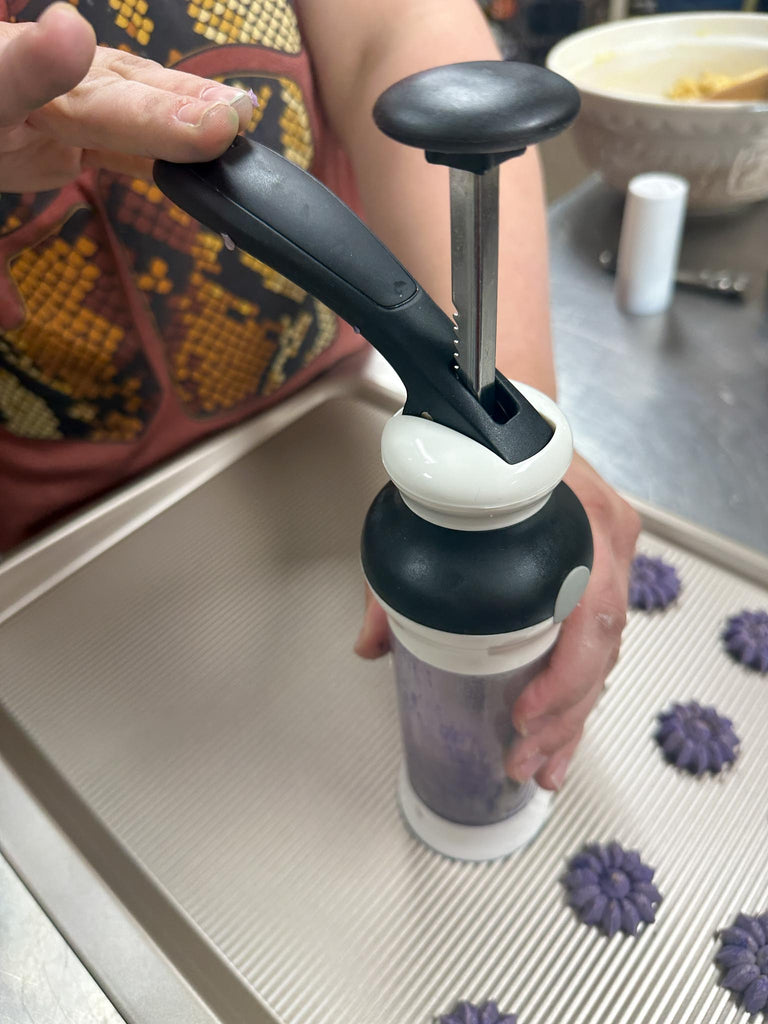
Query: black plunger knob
[[474, 116]]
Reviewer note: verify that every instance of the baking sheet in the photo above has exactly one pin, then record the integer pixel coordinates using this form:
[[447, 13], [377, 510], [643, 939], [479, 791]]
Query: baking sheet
[[194, 686]]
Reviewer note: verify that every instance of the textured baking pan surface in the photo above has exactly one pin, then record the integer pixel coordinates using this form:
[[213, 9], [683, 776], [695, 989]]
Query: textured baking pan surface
[[194, 685]]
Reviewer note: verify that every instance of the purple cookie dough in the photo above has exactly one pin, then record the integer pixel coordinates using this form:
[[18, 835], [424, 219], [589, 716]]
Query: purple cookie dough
[[653, 583], [456, 731], [743, 959], [746, 639], [697, 738], [610, 887], [468, 1013]]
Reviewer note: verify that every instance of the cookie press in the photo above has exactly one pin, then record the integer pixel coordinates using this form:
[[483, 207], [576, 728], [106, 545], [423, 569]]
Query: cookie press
[[476, 550]]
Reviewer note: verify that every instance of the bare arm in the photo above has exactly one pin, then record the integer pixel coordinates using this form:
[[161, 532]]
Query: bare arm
[[361, 49]]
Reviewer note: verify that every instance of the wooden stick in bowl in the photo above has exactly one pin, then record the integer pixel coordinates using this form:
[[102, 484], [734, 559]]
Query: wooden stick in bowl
[[751, 86]]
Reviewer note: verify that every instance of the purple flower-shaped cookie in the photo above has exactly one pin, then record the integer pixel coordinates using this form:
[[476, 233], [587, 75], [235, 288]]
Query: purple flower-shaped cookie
[[610, 887], [468, 1013], [696, 738], [653, 583], [746, 639], [743, 959]]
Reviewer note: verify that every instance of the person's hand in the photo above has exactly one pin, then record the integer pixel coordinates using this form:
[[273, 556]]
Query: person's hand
[[550, 713], [66, 104]]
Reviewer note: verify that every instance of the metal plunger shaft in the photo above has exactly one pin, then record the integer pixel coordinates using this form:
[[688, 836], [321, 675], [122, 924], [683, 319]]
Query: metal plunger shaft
[[474, 275]]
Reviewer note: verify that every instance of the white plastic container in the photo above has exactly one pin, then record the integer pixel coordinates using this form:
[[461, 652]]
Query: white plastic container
[[649, 246]]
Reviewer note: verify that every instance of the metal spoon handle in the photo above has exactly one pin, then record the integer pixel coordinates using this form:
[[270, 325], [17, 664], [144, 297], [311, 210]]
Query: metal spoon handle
[[725, 283]]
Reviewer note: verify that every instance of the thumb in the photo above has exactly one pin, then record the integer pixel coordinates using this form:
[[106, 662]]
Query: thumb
[[43, 61]]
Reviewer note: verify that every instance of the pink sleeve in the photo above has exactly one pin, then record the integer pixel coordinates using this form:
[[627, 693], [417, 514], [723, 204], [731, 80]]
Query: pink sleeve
[[3, 11]]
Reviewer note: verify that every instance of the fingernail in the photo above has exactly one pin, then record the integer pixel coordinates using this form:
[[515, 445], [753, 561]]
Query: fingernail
[[557, 776], [193, 114], [525, 770], [224, 94], [235, 98]]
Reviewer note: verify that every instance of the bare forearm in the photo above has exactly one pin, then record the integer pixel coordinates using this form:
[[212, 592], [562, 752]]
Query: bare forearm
[[406, 199]]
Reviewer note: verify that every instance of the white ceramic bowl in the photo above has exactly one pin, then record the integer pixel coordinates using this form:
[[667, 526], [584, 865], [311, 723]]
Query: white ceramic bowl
[[627, 125]]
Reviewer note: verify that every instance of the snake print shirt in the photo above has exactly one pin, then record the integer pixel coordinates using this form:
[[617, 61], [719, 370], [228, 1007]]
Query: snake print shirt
[[127, 330]]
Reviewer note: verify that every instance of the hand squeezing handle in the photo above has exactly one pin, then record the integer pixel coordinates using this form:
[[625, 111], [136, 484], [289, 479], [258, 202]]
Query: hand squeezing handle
[[277, 212], [289, 220]]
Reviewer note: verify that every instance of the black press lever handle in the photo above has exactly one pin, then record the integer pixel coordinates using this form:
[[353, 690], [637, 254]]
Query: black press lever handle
[[277, 212], [475, 115]]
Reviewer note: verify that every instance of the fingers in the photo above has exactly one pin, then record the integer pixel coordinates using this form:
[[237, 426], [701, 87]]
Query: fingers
[[590, 639], [552, 775], [58, 91], [42, 61], [126, 104], [132, 68], [533, 755], [551, 712], [373, 640], [110, 113], [586, 651]]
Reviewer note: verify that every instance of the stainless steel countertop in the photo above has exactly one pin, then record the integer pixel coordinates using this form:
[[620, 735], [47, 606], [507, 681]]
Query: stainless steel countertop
[[673, 408], [41, 979]]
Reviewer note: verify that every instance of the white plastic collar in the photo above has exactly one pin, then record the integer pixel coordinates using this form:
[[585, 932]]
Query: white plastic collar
[[453, 481], [472, 654]]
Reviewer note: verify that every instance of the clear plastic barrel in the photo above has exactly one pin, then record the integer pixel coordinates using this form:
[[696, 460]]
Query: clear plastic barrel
[[456, 730]]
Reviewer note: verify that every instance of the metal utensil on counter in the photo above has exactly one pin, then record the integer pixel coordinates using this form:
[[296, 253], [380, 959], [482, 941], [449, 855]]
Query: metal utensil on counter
[[722, 283]]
